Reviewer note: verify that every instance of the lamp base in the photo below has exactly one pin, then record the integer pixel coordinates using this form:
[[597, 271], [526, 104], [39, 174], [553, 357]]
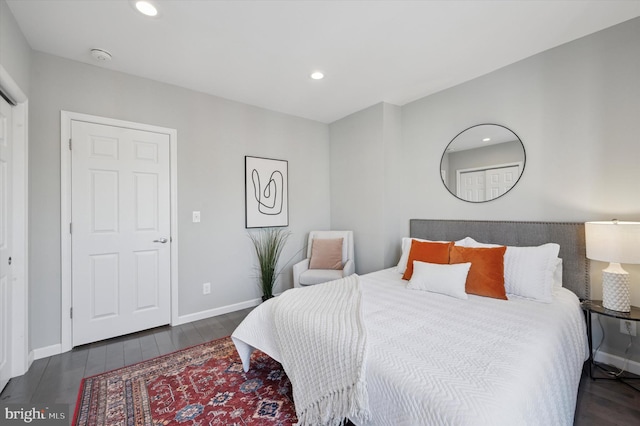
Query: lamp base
[[615, 289]]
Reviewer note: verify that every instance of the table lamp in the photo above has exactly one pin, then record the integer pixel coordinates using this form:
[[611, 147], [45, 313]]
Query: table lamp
[[615, 242]]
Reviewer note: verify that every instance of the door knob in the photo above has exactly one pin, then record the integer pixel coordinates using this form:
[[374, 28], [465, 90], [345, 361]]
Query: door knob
[[161, 240]]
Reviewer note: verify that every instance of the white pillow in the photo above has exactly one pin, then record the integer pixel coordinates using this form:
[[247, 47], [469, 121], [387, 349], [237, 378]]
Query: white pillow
[[443, 279], [470, 242], [557, 273], [529, 272], [406, 248]]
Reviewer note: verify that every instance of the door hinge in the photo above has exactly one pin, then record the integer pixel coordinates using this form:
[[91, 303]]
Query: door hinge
[[70, 227], [69, 144], [71, 313]]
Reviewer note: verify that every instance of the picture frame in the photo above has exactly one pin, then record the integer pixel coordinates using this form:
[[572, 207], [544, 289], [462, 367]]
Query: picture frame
[[266, 192]]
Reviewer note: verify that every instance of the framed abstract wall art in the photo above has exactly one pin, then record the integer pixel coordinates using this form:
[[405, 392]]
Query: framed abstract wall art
[[266, 192]]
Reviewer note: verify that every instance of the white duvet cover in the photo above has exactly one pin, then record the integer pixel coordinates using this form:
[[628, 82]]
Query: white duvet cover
[[436, 360]]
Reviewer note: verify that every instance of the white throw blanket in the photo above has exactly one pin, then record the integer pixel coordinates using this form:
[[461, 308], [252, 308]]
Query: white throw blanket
[[322, 342]]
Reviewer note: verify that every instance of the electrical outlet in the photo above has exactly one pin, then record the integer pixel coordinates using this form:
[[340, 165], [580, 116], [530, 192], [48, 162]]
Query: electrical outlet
[[196, 217], [628, 327], [206, 288]]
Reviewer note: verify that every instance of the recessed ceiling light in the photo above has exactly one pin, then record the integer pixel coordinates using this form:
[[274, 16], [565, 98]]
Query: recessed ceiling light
[[486, 139], [146, 8], [317, 75]]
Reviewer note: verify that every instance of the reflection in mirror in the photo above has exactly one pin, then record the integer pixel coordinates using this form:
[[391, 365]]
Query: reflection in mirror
[[482, 163]]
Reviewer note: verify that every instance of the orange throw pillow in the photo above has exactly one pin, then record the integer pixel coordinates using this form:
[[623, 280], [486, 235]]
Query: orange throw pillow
[[426, 252], [486, 276]]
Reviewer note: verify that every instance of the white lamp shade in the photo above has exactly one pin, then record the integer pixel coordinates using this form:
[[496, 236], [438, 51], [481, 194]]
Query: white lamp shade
[[617, 242]]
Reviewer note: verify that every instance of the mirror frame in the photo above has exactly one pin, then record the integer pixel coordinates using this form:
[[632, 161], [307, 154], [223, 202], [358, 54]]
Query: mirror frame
[[446, 149]]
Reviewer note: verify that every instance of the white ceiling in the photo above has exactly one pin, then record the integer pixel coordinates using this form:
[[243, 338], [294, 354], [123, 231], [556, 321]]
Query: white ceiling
[[262, 52]]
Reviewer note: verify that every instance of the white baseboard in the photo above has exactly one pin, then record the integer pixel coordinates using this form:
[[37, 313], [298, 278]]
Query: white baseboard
[[617, 361], [183, 319], [46, 351]]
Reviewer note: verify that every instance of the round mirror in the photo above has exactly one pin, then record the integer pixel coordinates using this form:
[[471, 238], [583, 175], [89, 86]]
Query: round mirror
[[482, 163]]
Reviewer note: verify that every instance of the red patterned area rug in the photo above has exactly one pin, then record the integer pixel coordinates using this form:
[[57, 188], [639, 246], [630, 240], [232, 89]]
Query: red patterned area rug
[[202, 385]]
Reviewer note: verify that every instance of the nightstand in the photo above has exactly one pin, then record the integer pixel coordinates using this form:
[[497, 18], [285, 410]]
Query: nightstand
[[595, 307]]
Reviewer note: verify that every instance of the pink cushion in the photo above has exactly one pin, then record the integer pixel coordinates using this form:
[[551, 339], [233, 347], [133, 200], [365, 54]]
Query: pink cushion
[[326, 253]]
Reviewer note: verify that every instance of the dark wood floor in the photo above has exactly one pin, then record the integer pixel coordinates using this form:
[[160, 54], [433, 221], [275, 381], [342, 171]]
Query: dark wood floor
[[605, 403], [56, 379]]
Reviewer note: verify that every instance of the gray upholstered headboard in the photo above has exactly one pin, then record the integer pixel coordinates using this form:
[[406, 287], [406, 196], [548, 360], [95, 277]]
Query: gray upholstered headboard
[[570, 237]]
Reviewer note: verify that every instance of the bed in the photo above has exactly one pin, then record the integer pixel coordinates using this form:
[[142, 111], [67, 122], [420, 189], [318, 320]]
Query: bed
[[436, 359]]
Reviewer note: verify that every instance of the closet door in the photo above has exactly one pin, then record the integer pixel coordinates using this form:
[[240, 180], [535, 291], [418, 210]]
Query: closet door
[[500, 180], [6, 210], [472, 186], [120, 231]]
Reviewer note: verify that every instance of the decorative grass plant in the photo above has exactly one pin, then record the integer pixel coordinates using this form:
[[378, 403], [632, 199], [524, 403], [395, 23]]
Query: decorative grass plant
[[268, 243]]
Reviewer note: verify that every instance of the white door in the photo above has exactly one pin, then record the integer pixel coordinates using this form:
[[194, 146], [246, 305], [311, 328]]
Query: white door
[[120, 232], [5, 243], [472, 186], [501, 180]]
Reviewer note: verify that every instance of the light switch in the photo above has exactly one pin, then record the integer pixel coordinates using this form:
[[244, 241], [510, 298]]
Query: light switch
[[196, 217]]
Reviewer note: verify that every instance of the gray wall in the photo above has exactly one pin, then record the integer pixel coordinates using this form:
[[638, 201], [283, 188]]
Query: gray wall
[[15, 53], [357, 183], [576, 109], [363, 176], [393, 221], [214, 135]]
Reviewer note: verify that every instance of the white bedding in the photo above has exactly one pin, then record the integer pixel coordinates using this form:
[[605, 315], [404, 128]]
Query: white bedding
[[433, 359]]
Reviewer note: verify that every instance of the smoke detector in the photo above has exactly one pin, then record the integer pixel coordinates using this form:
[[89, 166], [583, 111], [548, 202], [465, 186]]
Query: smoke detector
[[100, 55]]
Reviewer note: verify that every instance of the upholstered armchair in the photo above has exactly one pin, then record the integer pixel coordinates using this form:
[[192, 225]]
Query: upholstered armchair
[[325, 260]]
